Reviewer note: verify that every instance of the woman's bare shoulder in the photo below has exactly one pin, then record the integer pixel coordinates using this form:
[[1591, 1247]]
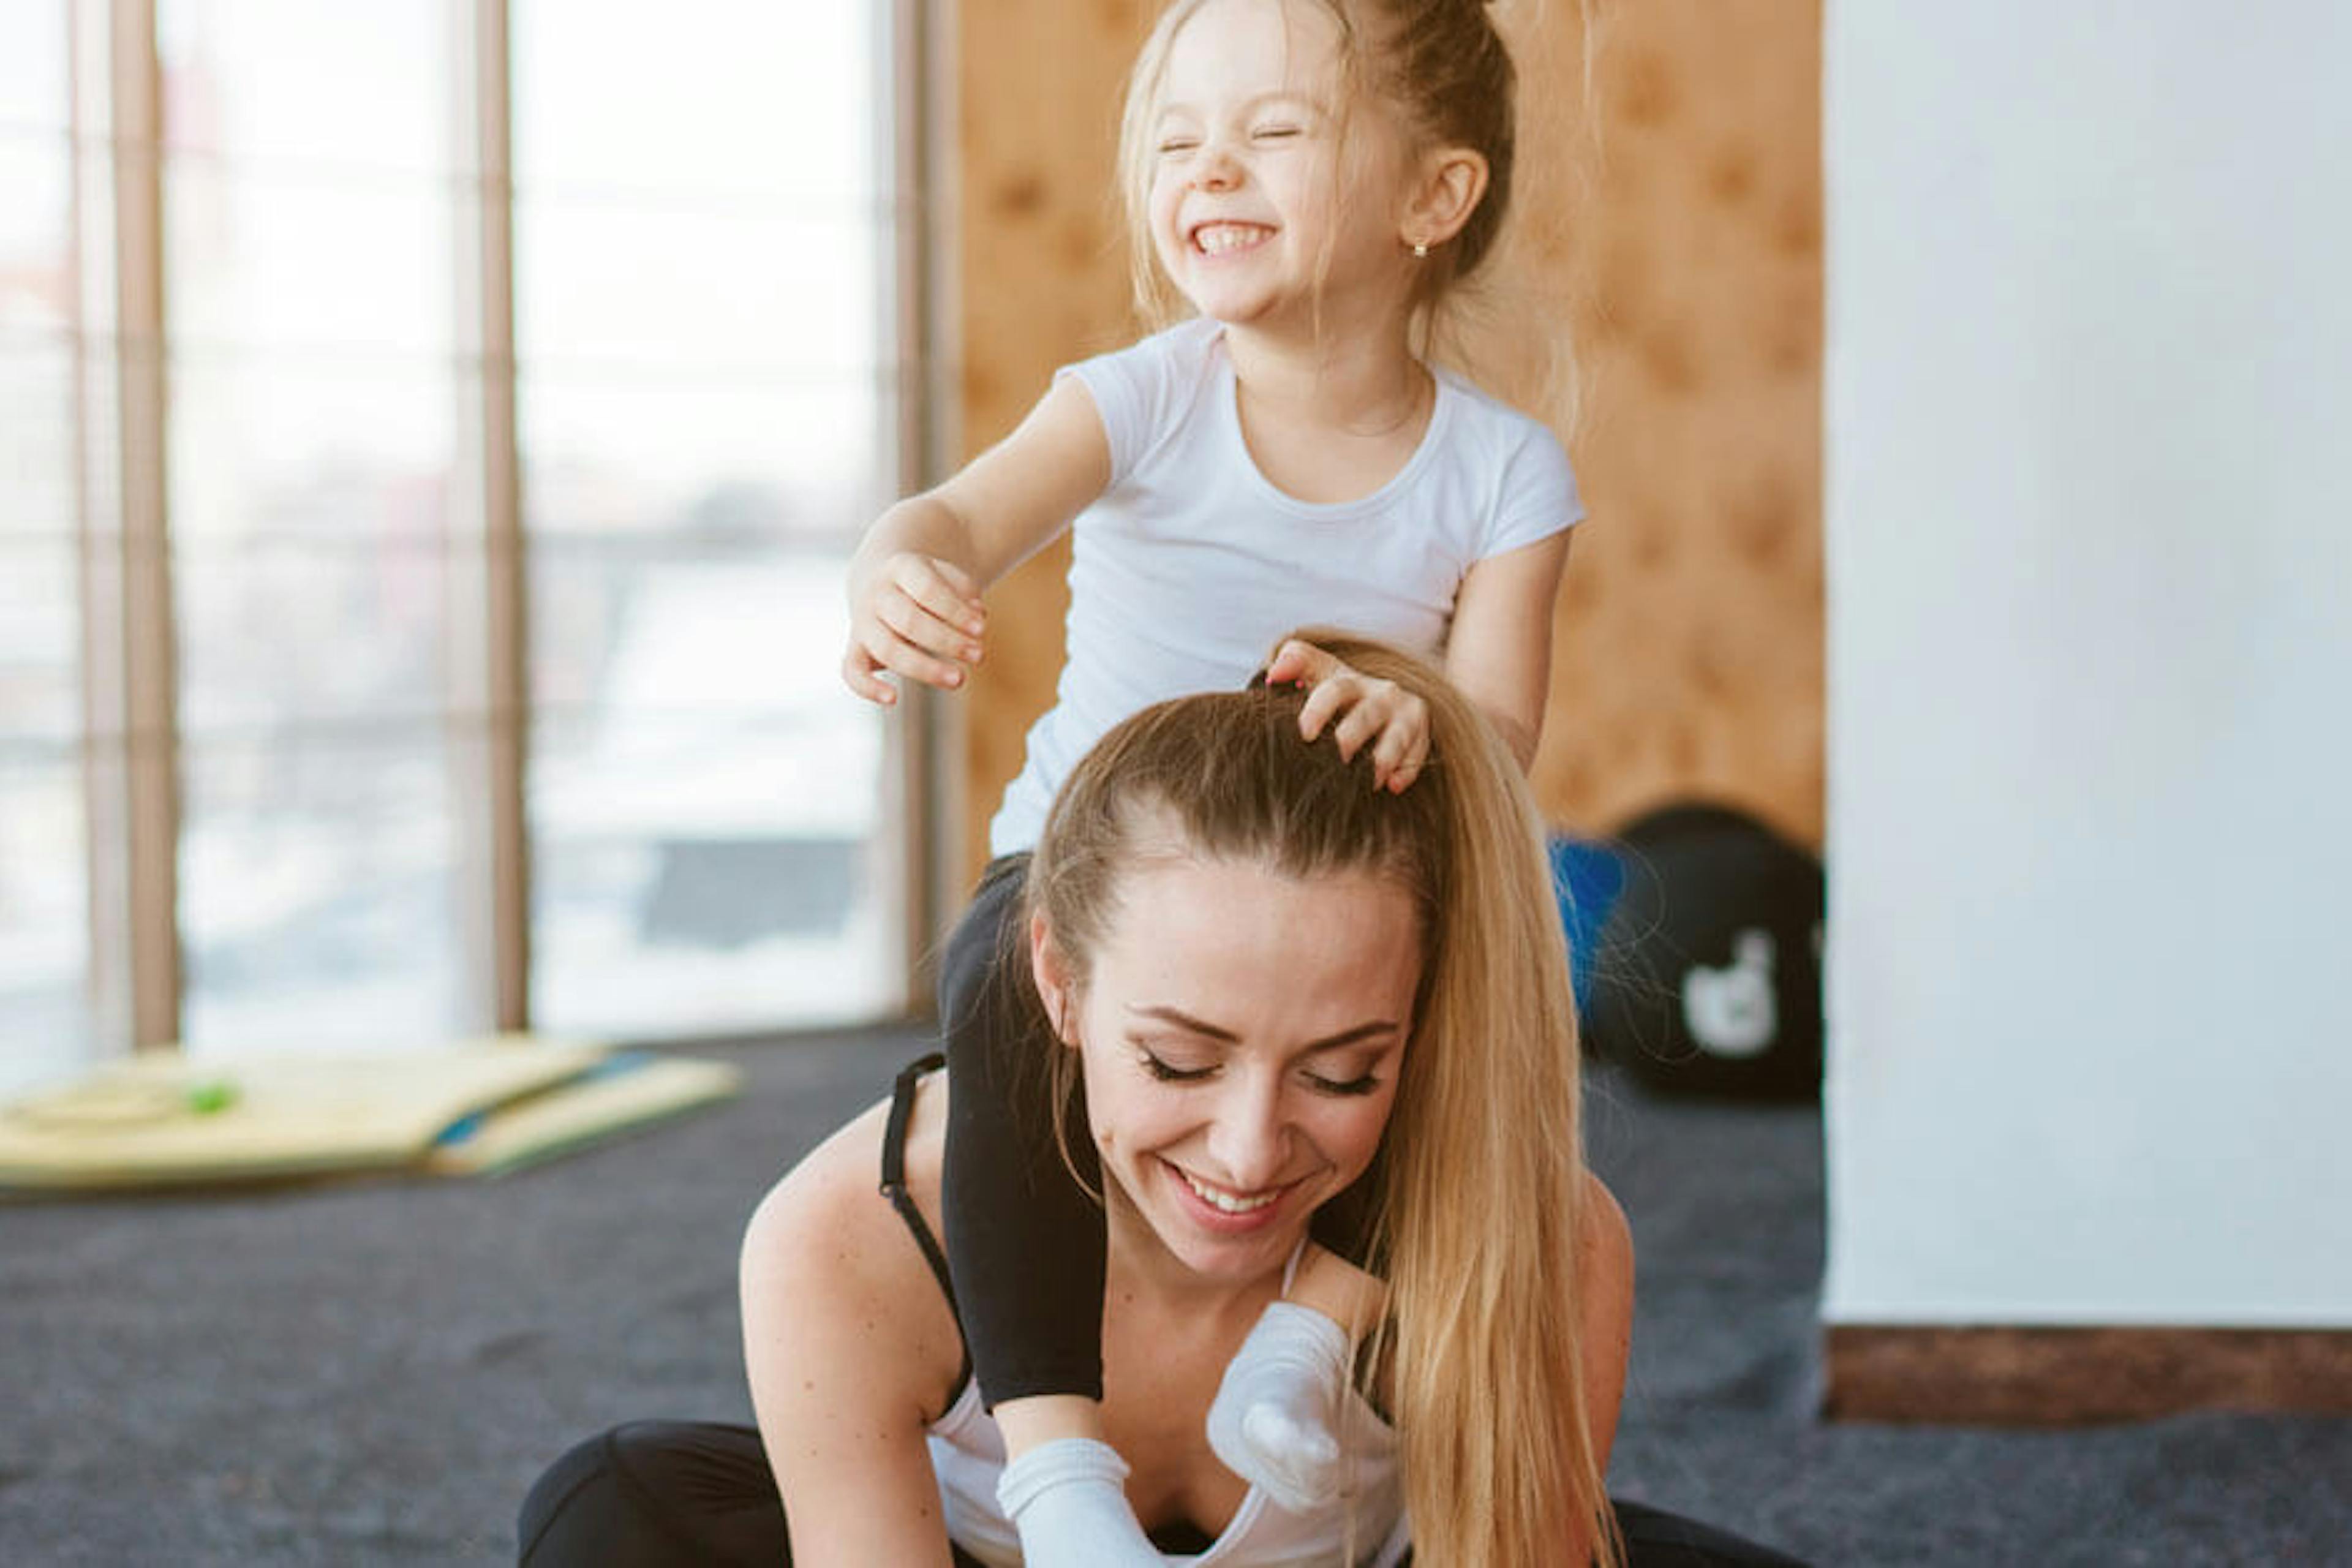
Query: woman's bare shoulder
[[852, 1354], [827, 1241], [1607, 1240]]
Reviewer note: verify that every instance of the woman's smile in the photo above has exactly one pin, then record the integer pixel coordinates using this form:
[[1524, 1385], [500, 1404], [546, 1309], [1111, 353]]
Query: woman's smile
[[1226, 1211], [1239, 1035]]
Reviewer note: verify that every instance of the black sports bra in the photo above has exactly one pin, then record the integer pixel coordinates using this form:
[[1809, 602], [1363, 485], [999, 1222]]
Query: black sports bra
[[1182, 1537], [894, 1187]]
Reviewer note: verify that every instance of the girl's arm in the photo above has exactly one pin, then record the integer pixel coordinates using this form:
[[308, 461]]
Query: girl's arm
[[916, 581], [1499, 652], [850, 1348]]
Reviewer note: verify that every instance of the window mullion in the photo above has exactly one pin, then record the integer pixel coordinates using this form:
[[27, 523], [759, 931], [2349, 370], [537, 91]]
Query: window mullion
[[927, 732], [148, 712], [500, 666]]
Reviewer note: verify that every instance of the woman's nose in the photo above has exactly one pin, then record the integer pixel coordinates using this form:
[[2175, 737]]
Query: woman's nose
[[1250, 1138]]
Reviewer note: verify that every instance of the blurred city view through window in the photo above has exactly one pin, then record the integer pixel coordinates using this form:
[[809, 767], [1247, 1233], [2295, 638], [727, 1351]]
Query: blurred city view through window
[[705, 401], [46, 1001]]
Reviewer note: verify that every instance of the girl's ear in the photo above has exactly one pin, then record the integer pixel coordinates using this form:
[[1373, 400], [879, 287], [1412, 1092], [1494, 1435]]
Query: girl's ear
[[1448, 187], [1051, 974]]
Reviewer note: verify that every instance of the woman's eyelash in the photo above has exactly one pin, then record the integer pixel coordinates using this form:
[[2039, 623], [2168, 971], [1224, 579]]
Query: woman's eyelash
[[1168, 1072], [1364, 1085]]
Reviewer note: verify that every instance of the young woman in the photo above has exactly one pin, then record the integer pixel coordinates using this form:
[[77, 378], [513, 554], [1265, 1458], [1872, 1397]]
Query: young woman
[[1259, 985]]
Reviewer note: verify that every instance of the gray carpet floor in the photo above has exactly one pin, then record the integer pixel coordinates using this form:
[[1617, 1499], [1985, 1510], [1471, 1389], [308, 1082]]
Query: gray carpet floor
[[372, 1373]]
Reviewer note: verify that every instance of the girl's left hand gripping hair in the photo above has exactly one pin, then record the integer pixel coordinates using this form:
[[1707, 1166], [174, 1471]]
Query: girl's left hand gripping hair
[[1393, 719], [917, 616]]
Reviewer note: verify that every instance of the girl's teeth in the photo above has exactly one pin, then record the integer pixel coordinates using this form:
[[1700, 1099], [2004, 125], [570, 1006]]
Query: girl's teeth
[[1225, 1202], [1217, 240]]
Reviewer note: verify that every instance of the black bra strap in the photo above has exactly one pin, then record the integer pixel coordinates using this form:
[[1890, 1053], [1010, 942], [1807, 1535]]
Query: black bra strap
[[894, 1187]]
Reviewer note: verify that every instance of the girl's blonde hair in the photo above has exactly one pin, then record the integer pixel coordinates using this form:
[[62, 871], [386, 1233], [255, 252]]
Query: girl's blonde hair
[[1477, 1199], [1438, 65]]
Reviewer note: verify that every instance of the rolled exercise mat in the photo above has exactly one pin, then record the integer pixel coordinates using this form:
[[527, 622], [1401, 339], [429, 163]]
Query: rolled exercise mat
[[163, 1120]]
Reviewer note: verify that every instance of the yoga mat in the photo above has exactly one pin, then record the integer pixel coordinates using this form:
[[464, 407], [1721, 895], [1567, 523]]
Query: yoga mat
[[161, 1119], [627, 1091]]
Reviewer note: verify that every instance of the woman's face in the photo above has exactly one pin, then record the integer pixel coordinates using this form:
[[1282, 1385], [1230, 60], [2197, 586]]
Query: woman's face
[[1239, 1035]]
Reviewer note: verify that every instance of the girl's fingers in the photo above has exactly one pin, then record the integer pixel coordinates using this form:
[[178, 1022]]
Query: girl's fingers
[[890, 651], [919, 619], [1403, 750], [1297, 662], [1390, 751], [915, 624], [959, 580], [1328, 699], [1362, 721], [1399, 781], [939, 588], [857, 674]]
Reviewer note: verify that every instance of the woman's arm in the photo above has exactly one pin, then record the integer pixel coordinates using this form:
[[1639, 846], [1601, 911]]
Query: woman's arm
[[1499, 650], [915, 580], [851, 1349]]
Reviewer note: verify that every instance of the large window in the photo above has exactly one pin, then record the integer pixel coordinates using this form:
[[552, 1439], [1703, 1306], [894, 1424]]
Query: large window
[[702, 259], [311, 182], [50, 343], [431, 436]]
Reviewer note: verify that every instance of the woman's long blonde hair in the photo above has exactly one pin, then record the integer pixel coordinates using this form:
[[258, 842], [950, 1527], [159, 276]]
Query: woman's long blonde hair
[[1478, 1195]]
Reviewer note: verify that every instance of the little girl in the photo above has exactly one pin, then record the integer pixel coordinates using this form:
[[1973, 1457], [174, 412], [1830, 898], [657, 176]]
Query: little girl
[[1312, 179]]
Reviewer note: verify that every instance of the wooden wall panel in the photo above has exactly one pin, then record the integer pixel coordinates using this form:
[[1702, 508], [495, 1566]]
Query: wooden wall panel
[[1688, 246], [1672, 219], [1041, 280]]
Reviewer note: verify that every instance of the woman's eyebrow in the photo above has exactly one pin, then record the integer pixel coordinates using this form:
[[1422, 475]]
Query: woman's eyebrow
[[1350, 1036], [1185, 1021]]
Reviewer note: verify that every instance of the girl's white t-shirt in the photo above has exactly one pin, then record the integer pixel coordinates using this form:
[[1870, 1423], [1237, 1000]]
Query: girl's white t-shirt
[[1191, 564]]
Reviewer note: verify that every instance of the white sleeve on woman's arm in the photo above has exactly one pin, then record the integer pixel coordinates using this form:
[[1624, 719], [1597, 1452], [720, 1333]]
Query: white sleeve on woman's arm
[[1067, 1500]]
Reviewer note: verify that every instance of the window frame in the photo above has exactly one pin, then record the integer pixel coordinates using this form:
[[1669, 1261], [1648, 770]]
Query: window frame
[[131, 736]]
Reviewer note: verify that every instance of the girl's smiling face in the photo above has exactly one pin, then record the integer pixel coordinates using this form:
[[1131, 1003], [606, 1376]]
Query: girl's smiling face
[[1240, 1033], [1259, 207]]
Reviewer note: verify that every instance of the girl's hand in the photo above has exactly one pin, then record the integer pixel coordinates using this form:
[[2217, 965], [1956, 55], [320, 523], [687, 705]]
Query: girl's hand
[[1394, 720], [917, 616]]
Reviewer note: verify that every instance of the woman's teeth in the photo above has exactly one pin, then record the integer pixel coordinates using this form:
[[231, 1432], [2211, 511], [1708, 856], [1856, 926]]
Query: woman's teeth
[[1225, 1202]]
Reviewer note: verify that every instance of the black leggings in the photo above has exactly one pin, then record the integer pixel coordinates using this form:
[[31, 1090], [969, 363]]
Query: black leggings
[[654, 1493]]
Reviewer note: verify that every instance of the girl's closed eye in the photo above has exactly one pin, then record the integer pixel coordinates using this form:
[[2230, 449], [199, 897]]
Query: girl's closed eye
[[1276, 132]]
